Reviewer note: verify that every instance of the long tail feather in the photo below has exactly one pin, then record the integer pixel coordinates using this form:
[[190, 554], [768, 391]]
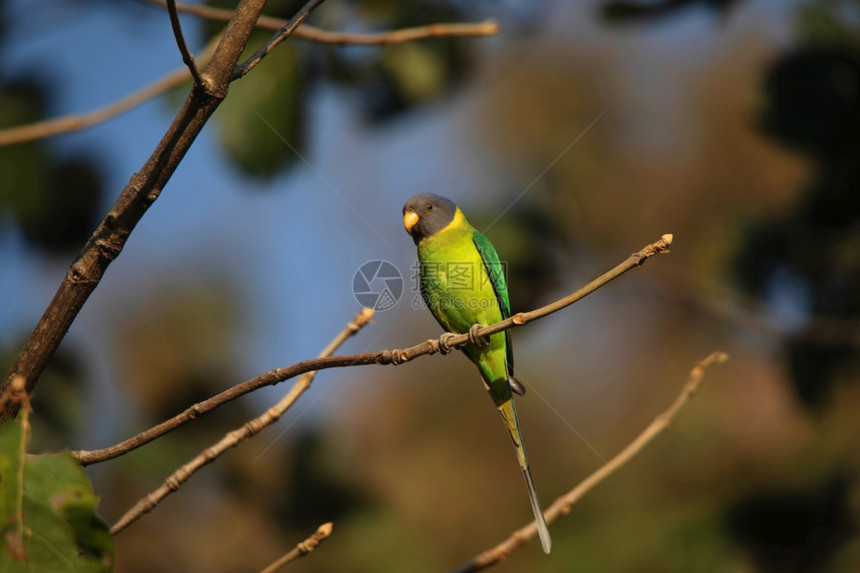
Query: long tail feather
[[509, 414], [516, 386]]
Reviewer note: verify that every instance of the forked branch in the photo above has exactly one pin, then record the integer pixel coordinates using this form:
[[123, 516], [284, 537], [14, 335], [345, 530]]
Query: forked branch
[[285, 32], [142, 190], [232, 439], [396, 356], [187, 57], [314, 34], [77, 122]]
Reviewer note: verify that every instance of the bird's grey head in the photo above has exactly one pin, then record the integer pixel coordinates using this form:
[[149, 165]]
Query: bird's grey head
[[427, 214]]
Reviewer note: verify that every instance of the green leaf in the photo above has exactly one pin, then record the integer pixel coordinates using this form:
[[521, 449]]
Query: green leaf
[[11, 466], [48, 519]]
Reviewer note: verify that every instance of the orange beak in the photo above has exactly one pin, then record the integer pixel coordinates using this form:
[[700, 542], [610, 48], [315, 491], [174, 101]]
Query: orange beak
[[410, 219]]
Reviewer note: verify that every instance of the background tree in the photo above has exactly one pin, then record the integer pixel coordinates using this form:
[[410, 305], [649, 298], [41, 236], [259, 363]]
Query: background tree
[[572, 139]]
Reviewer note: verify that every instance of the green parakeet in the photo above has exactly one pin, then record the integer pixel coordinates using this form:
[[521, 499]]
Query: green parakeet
[[463, 284]]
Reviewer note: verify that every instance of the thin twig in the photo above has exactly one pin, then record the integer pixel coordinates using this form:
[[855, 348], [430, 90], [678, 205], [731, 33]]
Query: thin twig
[[231, 439], [383, 357], [187, 57], [302, 548], [285, 32], [563, 504], [308, 32], [77, 122]]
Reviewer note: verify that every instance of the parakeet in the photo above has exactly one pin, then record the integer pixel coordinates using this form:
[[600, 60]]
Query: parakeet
[[463, 284]]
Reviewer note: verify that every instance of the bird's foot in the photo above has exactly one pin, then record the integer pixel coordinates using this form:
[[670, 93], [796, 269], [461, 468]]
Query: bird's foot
[[443, 342], [478, 341]]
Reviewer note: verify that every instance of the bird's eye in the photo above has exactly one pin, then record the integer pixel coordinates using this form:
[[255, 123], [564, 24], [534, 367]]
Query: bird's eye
[[429, 206]]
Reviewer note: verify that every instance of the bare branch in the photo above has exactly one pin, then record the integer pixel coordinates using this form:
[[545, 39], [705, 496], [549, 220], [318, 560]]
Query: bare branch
[[285, 32], [383, 357], [563, 504], [142, 190], [187, 58], [308, 32], [232, 439], [77, 122], [302, 548], [71, 123]]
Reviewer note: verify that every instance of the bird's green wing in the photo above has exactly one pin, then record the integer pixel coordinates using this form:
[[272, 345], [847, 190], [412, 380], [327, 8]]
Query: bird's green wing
[[496, 272]]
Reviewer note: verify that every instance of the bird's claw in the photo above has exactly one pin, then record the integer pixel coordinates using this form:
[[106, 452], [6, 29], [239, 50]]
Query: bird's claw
[[478, 341], [443, 342]]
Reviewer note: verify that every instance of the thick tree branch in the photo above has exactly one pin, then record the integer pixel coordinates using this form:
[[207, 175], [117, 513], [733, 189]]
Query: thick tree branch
[[308, 32], [396, 356], [77, 122], [142, 190], [285, 32], [231, 439], [302, 548], [563, 504], [187, 58]]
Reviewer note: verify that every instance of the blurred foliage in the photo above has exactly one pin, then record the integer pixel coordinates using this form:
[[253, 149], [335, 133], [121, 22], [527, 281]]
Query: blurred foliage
[[47, 510], [812, 251], [830, 22], [805, 259], [811, 100], [413, 465], [58, 402], [53, 201], [176, 345], [394, 79], [795, 530], [632, 11], [317, 493], [531, 249], [262, 124], [23, 101], [263, 117], [68, 212]]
